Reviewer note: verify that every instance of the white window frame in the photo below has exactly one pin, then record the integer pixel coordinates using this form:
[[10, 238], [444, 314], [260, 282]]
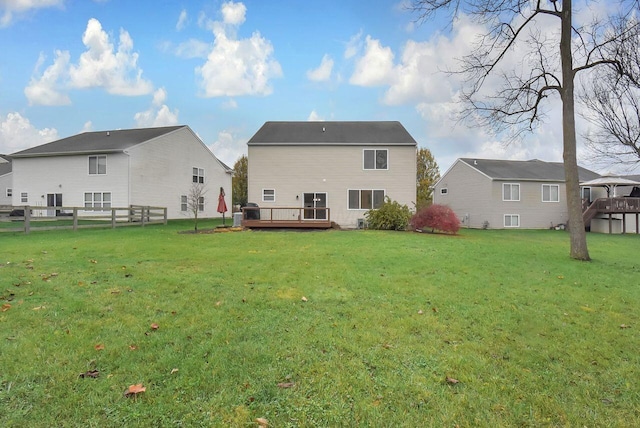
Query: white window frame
[[384, 195], [9, 192], [511, 217], [268, 195], [375, 157], [444, 191], [201, 203], [511, 186], [184, 203], [24, 197], [557, 186], [197, 175], [97, 159], [92, 202]]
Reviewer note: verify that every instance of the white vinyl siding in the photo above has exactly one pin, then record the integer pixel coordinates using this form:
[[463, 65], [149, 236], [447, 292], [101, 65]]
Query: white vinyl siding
[[375, 159], [365, 199], [510, 192], [268, 195], [98, 165], [512, 220], [550, 193]]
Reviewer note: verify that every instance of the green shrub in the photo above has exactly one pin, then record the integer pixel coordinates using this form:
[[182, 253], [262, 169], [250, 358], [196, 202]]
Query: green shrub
[[390, 216]]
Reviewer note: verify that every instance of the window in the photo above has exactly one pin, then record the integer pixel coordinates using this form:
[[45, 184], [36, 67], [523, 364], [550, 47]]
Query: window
[[510, 192], [183, 203], [9, 192], [375, 159], [550, 193], [444, 191], [268, 195], [512, 220], [24, 197], [97, 200], [98, 164], [201, 203], [198, 175], [365, 199]]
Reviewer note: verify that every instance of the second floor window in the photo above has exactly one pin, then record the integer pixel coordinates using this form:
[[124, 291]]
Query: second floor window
[[376, 159], [510, 192], [198, 175], [98, 164]]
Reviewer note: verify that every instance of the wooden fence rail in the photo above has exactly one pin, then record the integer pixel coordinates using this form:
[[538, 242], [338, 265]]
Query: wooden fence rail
[[51, 218]]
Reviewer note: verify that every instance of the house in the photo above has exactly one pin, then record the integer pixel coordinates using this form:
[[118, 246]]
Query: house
[[613, 204], [348, 167], [119, 168], [6, 180], [496, 194]]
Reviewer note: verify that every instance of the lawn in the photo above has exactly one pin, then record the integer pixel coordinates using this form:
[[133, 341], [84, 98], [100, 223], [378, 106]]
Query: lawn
[[332, 328]]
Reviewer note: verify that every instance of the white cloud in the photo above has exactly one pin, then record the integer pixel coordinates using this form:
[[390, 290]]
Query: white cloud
[[353, 46], [323, 72], [315, 117], [102, 66], [44, 90], [182, 20], [12, 9], [17, 133], [228, 147], [158, 113], [230, 104], [236, 67], [87, 127], [193, 48], [375, 67]]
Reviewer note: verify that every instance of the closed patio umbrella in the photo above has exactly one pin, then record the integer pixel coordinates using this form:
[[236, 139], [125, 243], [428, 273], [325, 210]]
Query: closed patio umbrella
[[222, 205]]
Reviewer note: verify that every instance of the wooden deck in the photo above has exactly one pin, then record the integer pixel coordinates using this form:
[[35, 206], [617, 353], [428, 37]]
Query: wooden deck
[[286, 217], [611, 206]]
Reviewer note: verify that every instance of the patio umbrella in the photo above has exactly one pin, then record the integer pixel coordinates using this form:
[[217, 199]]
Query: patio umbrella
[[610, 182], [222, 205]]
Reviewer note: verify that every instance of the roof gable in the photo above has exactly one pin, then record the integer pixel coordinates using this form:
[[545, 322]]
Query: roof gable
[[531, 170], [379, 133], [96, 142]]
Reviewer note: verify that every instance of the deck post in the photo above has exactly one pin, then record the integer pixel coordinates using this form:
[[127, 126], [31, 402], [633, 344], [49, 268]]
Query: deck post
[[610, 226]]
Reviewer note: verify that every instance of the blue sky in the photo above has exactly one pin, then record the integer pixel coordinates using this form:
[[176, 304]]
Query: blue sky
[[225, 68]]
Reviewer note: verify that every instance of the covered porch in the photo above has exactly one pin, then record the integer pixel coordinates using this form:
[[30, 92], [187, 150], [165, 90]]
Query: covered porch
[[286, 217]]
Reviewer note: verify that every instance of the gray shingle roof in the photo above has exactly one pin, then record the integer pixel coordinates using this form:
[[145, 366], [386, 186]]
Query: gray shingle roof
[[333, 133], [531, 170], [96, 142], [5, 168]]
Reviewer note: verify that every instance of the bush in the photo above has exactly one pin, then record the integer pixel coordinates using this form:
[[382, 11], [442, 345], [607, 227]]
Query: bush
[[390, 216], [436, 217]]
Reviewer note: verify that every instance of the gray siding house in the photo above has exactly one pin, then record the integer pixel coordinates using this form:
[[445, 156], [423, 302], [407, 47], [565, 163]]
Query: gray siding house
[[499, 194], [119, 168], [349, 167]]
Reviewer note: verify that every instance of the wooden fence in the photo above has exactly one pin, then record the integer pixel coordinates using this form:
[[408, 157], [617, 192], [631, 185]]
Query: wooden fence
[[51, 218]]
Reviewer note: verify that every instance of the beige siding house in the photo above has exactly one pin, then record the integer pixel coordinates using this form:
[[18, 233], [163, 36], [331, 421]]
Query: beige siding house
[[501, 194], [119, 168], [349, 167]]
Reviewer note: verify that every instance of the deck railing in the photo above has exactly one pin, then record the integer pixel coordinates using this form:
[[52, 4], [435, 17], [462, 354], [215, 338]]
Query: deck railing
[[610, 206], [50, 218], [286, 217]]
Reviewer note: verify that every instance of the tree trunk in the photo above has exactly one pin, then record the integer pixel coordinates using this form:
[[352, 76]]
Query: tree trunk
[[577, 233]]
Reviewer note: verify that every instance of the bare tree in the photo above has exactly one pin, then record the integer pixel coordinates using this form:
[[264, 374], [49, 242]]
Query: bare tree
[[195, 201], [548, 64], [613, 108]]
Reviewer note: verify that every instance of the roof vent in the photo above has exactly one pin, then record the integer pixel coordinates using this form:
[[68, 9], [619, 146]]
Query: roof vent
[[323, 129], [475, 162], [108, 133]]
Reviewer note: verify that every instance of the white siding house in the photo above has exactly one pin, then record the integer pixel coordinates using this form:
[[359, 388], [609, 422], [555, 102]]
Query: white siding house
[[149, 166], [349, 167], [6, 180], [503, 194]]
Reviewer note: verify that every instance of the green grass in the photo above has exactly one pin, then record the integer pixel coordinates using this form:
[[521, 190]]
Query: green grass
[[533, 337]]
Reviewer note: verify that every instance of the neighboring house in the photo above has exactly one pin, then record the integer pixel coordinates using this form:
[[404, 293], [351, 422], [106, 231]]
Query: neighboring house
[[496, 194], [149, 166], [6, 180], [349, 167]]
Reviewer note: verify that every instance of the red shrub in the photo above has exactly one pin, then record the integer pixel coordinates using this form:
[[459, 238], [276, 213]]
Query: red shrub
[[436, 217]]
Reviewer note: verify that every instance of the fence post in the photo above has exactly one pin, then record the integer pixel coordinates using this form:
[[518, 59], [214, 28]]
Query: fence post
[[142, 219], [75, 218], [113, 218], [27, 219], [165, 217]]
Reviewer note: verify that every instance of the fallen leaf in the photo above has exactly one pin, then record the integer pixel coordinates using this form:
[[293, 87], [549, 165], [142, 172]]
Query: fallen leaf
[[304, 299], [262, 422], [90, 373], [99, 347], [6, 307], [37, 308], [134, 390], [93, 261], [154, 326], [218, 303], [420, 312], [174, 371], [434, 309], [452, 381], [560, 277], [132, 347], [624, 326], [286, 385]]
